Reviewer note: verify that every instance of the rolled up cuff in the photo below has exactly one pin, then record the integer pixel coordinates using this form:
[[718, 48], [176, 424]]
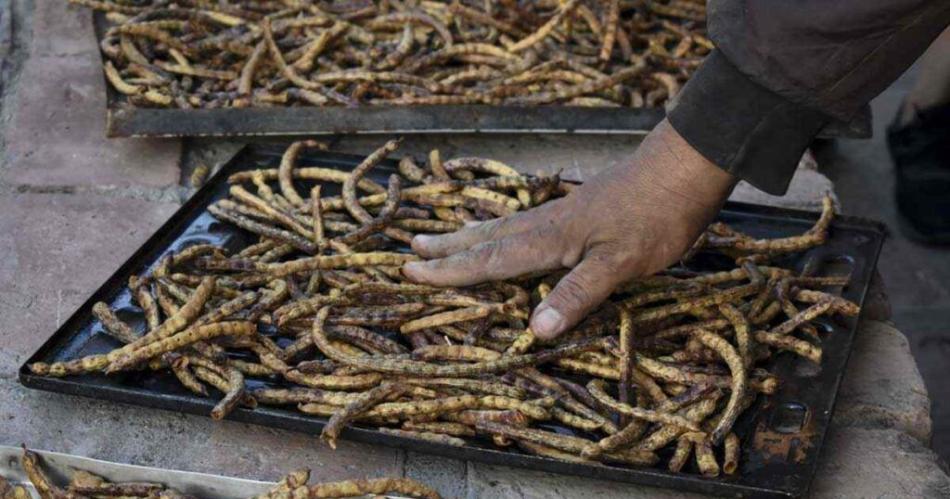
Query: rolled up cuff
[[744, 128]]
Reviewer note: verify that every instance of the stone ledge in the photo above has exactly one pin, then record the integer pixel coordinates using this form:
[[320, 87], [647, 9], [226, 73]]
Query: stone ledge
[[882, 387], [877, 306], [859, 462]]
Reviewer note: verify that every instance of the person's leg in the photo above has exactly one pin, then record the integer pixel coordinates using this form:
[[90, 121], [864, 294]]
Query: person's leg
[[919, 141], [932, 87]]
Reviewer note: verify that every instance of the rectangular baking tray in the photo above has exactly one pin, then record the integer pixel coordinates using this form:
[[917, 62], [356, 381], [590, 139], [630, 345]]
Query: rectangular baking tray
[[781, 436], [124, 120], [60, 467]]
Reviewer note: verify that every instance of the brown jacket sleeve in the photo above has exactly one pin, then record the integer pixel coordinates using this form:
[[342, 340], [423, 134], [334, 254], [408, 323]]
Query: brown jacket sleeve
[[783, 69]]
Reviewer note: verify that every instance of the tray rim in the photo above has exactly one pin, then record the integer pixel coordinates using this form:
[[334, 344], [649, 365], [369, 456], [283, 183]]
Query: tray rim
[[275, 418]]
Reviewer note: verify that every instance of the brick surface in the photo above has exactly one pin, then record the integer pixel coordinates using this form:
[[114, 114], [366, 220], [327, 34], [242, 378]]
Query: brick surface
[[57, 133], [60, 28], [55, 250], [882, 387], [128, 434]]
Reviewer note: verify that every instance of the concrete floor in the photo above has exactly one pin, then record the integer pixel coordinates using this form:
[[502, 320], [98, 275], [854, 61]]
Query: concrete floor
[[917, 277]]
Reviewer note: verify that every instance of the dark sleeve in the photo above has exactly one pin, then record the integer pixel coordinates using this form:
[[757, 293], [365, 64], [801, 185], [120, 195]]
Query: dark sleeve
[[782, 70]]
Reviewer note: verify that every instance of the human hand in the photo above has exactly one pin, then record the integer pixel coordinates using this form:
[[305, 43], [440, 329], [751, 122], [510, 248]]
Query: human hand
[[631, 220]]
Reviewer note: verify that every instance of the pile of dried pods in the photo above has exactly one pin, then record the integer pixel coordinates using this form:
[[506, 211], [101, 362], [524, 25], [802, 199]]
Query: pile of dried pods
[[317, 316], [83, 484], [200, 54]]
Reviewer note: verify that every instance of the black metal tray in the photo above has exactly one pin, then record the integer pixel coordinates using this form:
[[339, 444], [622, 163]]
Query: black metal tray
[[781, 436], [124, 120]]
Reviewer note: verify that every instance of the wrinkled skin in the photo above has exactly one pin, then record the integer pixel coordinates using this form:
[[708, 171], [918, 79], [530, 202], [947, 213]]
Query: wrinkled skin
[[630, 220]]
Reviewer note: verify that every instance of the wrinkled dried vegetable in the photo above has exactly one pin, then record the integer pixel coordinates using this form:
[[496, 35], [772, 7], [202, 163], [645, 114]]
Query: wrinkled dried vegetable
[[235, 54]]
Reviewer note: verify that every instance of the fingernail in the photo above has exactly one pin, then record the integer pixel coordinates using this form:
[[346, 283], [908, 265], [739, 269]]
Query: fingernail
[[547, 323]]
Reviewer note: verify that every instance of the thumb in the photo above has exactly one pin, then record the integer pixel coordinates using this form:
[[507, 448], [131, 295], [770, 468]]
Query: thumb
[[577, 293]]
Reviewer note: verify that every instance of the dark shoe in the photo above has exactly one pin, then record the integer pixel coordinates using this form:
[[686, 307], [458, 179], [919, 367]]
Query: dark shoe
[[921, 153]]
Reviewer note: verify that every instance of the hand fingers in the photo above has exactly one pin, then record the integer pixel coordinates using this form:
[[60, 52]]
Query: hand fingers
[[472, 234], [503, 258], [577, 293]]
